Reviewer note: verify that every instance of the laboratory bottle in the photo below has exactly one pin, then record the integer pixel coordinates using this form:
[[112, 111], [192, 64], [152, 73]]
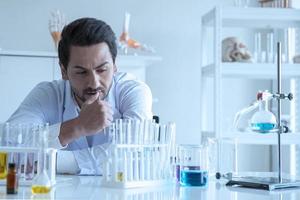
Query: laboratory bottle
[[12, 179]]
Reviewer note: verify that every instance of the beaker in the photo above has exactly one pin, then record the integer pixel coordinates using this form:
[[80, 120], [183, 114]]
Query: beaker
[[193, 161], [41, 183]]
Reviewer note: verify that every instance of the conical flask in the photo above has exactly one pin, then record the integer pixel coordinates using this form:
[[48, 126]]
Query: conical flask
[[41, 184], [263, 121]]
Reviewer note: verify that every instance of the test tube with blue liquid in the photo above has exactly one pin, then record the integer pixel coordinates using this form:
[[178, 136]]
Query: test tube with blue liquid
[[193, 165]]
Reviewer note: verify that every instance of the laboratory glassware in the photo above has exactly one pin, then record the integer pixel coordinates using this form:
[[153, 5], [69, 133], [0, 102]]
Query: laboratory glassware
[[271, 183], [41, 183], [140, 154], [12, 179], [193, 161], [263, 120], [257, 47], [270, 47], [3, 155]]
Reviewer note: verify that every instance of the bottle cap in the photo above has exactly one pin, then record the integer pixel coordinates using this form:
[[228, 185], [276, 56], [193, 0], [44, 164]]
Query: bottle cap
[[11, 165]]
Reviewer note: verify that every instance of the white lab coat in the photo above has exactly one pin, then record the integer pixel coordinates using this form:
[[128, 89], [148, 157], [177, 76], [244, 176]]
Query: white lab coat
[[53, 103]]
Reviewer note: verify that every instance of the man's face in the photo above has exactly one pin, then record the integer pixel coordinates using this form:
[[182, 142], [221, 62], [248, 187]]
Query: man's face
[[90, 71]]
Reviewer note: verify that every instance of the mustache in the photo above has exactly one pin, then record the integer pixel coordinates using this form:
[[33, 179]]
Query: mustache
[[91, 90]]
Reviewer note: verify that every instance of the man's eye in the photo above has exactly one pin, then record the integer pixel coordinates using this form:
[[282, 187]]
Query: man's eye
[[102, 69], [81, 72]]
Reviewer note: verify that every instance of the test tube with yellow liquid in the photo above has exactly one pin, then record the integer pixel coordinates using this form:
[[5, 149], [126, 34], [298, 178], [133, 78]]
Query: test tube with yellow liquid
[[3, 165], [3, 155], [41, 183]]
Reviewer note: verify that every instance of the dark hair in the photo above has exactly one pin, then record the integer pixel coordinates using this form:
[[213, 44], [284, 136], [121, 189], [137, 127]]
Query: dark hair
[[85, 32]]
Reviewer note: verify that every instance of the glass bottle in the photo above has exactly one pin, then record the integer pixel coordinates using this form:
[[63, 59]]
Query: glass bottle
[[41, 183], [12, 179]]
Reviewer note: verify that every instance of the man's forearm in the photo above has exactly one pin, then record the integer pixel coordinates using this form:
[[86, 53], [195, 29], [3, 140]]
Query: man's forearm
[[69, 131]]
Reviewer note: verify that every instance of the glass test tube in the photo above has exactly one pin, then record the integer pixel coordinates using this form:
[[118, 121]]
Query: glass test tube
[[257, 47], [270, 47], [4, 132]]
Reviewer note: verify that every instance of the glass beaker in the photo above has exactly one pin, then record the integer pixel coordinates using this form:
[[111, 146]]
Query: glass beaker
[[41, 183], [193, 161]]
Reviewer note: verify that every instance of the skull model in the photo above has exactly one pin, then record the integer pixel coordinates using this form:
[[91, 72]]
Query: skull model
[[233, 50]]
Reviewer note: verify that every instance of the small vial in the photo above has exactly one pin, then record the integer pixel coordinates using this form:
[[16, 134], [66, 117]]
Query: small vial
[[12, 179]]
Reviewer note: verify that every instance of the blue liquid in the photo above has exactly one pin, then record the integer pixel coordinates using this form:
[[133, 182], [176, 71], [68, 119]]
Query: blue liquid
[[193, 178], [264, 127]]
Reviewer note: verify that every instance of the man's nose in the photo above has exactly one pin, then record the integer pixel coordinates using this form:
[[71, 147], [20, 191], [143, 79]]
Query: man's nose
[[93, 81]]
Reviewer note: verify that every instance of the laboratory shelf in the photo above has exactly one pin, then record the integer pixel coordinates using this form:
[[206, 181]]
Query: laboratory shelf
[[257, 138], [122, 59], [253, 70], [253, 17]]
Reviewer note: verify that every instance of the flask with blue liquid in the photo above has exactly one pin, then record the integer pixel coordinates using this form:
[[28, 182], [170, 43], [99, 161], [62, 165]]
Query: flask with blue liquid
[[263, 121]]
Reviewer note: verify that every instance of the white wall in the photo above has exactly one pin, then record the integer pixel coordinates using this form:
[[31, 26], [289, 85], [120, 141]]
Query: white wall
[[172, 27]]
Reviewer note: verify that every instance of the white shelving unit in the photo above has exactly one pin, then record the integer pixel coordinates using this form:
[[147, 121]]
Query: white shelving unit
[[248, 18]]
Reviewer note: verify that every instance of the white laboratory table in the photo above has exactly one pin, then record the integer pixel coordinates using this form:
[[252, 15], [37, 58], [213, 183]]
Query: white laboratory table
[[89, 188]]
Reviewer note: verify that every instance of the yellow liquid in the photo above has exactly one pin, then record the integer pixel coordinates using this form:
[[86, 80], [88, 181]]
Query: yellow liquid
[[120, 176], [39, 189], [3, 165]]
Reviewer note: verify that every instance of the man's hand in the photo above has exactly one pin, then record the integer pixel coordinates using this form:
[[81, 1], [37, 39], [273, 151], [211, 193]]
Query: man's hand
[[94, 116]]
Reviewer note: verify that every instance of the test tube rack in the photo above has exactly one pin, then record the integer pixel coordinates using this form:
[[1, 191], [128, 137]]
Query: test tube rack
[[140, 154], [20, 144]]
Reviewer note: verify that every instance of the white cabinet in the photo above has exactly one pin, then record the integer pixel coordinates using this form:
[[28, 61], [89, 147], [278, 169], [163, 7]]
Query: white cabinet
[[212, 67], [20, 71]]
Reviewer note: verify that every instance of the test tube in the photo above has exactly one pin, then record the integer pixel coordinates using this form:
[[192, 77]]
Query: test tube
[[115, 165], [135, 128], [270, 47], [142, 165], [130, 166], [125, 172], [156, 133], [127, 131], [112, 133], [3, 154], [257, 47], [146, 132], [119, 132], [120, 165], [136, 164]]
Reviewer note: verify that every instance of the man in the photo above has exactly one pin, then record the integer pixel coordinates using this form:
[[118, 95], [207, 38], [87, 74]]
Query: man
[[91, 95]]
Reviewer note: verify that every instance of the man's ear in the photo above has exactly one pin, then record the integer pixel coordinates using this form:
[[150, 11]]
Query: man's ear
[[115, 68], [63, 71]]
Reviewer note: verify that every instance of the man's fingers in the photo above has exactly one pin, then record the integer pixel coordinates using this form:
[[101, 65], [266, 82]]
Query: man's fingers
[[91, 99]]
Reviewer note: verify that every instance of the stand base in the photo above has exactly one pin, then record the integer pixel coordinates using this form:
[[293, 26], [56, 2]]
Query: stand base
[[263, 183]]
